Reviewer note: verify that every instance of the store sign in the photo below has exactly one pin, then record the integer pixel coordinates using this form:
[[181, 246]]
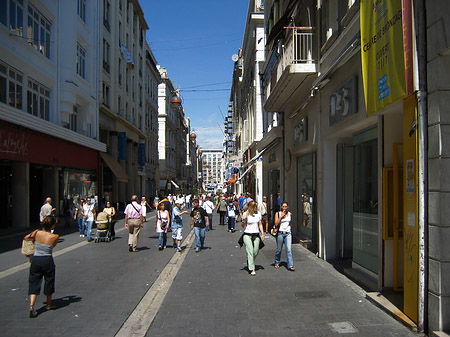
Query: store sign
[[301, 131], [344, 101]]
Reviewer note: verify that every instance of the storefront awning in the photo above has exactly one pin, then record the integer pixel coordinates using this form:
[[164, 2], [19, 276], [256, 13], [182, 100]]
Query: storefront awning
[[173, 183], [115, 167]]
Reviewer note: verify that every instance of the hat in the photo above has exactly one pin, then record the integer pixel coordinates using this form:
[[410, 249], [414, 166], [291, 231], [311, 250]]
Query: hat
[[179, 201]]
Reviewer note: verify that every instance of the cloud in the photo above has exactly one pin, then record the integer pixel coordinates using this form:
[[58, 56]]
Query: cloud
[[209, 137]]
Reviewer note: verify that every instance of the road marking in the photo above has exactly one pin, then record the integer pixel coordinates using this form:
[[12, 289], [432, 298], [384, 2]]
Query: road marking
[[142, 317], [26, 265]]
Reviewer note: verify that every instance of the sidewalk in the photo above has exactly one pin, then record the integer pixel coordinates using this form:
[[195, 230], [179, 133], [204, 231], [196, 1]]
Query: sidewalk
[[213, 295]]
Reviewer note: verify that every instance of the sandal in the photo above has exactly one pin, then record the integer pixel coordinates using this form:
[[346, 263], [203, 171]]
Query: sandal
[[291, 269], [277, 266]]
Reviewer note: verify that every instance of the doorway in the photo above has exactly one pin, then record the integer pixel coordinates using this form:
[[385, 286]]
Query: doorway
[[344, 200]]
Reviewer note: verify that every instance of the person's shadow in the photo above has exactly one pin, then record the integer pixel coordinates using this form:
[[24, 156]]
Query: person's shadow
[[58, 303]]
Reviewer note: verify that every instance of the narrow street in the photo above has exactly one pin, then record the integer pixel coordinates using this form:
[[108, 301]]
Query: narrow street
[[104, 290]]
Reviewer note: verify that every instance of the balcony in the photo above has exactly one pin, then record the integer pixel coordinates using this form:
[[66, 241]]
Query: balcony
[[286, 72]]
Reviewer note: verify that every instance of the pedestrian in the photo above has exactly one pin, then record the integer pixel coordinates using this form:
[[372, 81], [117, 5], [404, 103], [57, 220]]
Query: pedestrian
[[42, 264], [111, 219], [231, 214], [144, 205], [253, 234], [134, 221], [79, 217], [162, 225], [89, 215], [177, 223], [222, 208], [199, 221], [46, 209], [306, 210], [238, 208], [283, 221], [263, 208], [208, 206]]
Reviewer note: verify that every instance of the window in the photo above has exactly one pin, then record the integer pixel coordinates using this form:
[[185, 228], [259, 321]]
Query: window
[[120, 32], [73, 119], [11, 86], [119, 105], [140, 95], [105, 94], [81, 61], [38, 32], [38, 100], [127, 79], [106, 11], [106, 51], [120, 6], [81, 10], [11, 15], [120, 71]]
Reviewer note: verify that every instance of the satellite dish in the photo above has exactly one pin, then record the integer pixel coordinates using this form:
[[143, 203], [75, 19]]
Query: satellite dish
[[235, 57]]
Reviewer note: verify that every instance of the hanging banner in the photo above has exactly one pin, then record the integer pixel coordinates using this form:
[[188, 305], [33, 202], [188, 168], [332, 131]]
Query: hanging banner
[[382, 53]]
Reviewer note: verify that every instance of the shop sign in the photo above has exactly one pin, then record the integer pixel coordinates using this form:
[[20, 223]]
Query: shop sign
[[344, 101]]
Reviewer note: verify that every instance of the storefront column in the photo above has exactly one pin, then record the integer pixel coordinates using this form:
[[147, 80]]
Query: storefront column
[[20, 194]]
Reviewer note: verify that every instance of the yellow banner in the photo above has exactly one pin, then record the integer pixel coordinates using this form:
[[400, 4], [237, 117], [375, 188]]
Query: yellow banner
[[382, 53]]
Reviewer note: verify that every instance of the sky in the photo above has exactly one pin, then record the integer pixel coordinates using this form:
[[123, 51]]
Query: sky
[[195, 40]]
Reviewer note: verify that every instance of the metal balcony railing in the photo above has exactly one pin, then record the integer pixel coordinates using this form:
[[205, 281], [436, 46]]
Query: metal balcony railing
[[299, 46]]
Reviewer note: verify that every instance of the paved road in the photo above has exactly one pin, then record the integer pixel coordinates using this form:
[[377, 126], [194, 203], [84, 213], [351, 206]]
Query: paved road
[[104, 290]]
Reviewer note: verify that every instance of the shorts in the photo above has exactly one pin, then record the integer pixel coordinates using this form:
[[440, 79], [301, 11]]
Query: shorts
[[177, 233], [265, 217]]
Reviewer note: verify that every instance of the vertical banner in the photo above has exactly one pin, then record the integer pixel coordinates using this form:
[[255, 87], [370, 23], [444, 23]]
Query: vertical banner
[[410, 211], [382, 53], [141, 158], [122, 136], [407, 40]]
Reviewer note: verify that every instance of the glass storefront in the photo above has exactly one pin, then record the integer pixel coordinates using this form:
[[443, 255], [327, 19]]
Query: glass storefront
[[77, 184], [365, 200], [306, 191]]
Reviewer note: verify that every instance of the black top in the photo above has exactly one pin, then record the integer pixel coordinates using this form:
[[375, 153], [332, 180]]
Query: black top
[[199, 215]]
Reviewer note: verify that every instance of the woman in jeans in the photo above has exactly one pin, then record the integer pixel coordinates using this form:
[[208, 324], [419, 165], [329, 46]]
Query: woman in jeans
[[253, 234], [162, 217], [283, 221], [79, 218]]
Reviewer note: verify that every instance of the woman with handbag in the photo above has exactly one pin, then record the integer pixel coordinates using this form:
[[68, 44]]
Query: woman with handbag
[[162, 225], [253, 234], [42, 264], [283, 221]]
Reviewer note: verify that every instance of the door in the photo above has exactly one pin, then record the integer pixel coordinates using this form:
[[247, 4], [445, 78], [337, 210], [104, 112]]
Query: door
[[344, 207]]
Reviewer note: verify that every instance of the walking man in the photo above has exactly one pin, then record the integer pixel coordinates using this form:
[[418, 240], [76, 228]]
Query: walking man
[[209, 208], [89, 216], [177, 224], [134, 221], [199, 221], [46, 209]]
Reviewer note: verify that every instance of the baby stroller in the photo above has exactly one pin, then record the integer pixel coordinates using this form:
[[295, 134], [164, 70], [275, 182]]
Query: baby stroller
[[103, 233]]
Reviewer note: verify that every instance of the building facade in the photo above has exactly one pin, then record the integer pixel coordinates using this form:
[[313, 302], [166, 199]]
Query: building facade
[[364, 178], [48, 108]]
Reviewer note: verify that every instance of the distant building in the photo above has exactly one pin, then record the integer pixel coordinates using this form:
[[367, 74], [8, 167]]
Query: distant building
[[212, 169]]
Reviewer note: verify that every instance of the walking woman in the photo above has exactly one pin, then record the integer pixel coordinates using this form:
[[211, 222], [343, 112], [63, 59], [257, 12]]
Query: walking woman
[[162, 225], [253, 234], [42, 264], [283, 220], [110, 210], [222, 208], [264, 210]]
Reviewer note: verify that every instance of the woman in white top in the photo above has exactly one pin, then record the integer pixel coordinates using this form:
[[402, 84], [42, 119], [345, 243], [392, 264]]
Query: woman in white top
[[283, 220], [253, 234], [144, 205], [162, 225]]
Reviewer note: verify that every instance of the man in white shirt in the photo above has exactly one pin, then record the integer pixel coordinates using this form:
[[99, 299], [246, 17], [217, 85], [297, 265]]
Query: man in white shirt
[[208, 206], [46, 209]]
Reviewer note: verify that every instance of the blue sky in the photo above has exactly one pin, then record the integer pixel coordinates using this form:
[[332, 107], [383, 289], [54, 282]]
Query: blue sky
[[194, 40]]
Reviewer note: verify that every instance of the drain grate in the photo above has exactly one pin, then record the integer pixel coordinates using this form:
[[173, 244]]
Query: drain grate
[[343, 327], [304, 295]]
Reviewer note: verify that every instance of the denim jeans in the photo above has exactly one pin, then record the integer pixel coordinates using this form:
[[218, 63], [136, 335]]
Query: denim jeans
[[80, 222], [88, 225], [231, 222], [162, 239], [252, 248], [199, 237], [287, 240], [210, 217]]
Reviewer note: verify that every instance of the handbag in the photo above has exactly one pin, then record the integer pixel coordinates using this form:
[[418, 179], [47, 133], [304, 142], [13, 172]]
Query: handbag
[[163, 222], [28, 245]]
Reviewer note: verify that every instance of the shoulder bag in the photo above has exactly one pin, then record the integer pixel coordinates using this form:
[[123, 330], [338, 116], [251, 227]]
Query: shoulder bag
[[28, 244]]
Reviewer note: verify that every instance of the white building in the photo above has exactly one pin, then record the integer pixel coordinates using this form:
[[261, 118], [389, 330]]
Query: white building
[[211, 169], [48, 106]]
